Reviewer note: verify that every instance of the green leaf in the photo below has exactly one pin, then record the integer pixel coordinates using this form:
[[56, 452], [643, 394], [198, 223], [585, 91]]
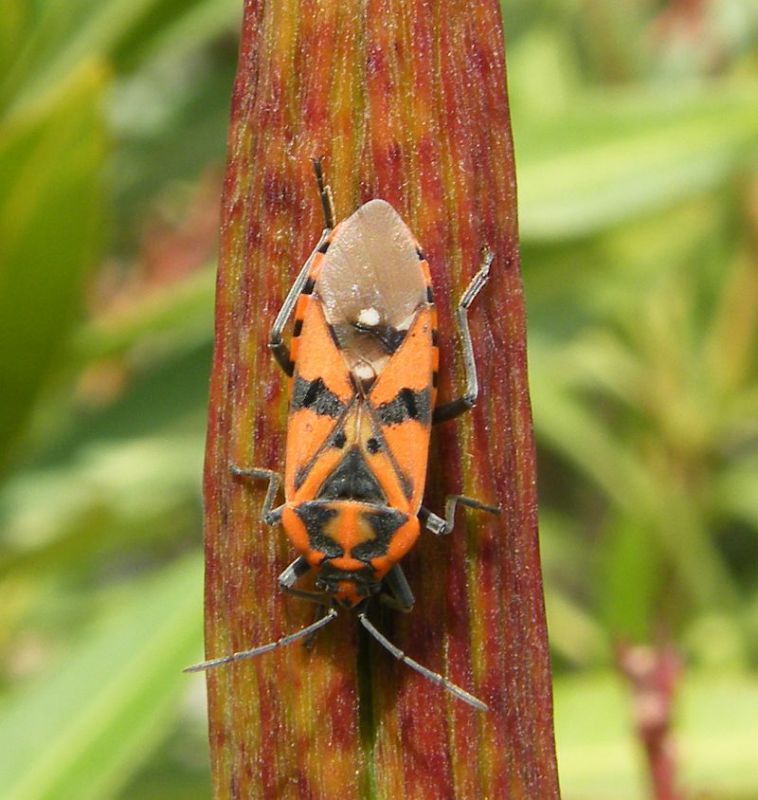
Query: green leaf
[[82, 731], [736, 490], [13, 22], [58, 37], [569, 424], [177, 27], [51, 218], [182, 313], [619, 156], [110, 496], [633, 578]]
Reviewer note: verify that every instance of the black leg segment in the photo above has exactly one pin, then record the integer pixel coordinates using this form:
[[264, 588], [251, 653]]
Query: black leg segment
[[269, 515], [400, 596], [292, 574], [461, 404], [325, 193], [442, 527], [276, 344]]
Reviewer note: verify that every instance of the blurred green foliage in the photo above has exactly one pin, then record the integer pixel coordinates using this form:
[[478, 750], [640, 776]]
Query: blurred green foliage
[[636, 136]]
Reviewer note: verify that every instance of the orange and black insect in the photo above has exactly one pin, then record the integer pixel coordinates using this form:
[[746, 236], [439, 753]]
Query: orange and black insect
[[363, 366]]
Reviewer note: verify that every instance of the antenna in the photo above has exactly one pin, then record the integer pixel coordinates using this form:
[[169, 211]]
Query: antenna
[[266, 648], [325, 192], [434, 677]]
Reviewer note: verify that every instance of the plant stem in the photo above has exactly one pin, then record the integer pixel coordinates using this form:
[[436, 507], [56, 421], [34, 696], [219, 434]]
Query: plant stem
[[404, 100]]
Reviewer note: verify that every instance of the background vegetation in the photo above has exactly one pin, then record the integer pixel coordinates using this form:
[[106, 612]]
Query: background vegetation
[[637, 135]]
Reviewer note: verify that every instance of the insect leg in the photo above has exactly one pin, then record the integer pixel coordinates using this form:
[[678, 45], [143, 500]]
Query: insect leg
[[280, 350], [400, 597], [434, 677], [269, 515], [325, 193], [276, 344], [266, 648], [292, 574], [442, 527], [461, 404]]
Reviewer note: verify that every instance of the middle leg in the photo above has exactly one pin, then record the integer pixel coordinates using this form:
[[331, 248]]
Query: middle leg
[[442, 527]]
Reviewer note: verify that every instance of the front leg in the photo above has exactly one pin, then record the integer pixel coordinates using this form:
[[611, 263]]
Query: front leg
[[279, 350], [292, 574], [276, 344]]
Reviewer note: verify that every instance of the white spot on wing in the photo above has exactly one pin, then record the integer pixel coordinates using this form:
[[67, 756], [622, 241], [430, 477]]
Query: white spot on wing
[[364, 371], [368, 318]]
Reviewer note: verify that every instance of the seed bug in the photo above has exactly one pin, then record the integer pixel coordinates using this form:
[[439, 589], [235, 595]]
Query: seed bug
[[362, 364]]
